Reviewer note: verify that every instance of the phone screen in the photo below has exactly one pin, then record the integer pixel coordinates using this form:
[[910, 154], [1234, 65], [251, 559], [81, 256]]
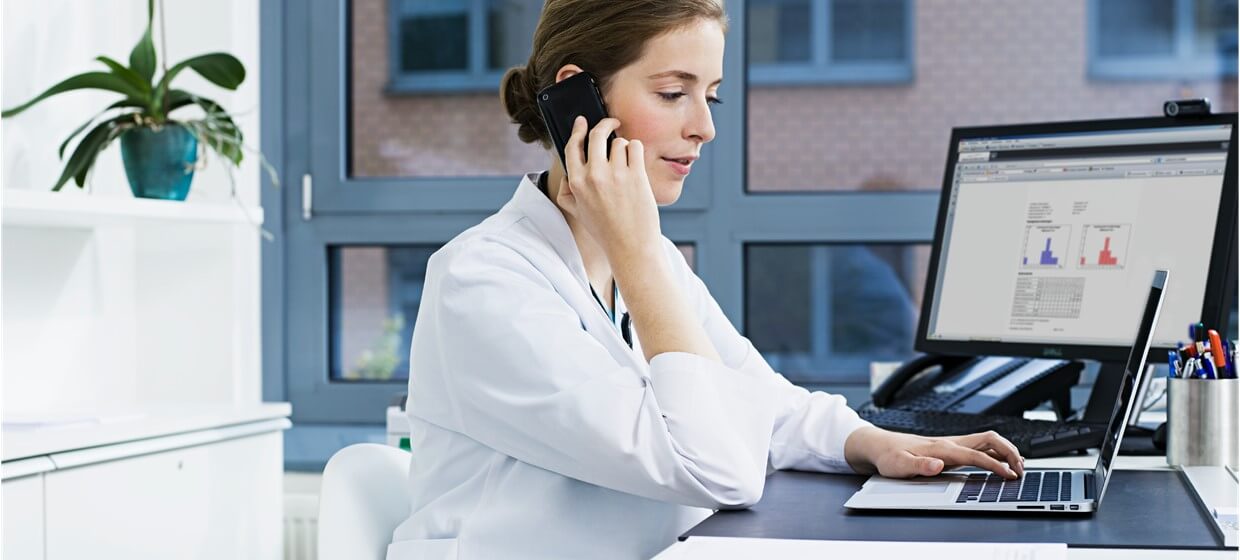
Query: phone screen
[[561, 103]]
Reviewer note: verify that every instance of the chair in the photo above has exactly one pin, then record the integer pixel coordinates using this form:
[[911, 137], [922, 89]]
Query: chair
[[364, 497]]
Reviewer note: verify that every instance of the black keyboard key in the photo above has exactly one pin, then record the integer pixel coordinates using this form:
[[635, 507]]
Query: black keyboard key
[[1050, 487], [1010, 492], [1029, 486]]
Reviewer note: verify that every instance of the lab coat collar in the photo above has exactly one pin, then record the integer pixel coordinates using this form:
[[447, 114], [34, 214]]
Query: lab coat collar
[[547, 217], [530, 201]]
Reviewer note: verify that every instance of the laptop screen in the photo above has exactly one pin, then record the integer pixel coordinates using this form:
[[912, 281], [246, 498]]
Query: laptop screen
[[1128, 385]]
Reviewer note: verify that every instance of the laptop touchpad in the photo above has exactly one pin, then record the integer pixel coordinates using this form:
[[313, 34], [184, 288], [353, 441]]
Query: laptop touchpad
[[881, 486]]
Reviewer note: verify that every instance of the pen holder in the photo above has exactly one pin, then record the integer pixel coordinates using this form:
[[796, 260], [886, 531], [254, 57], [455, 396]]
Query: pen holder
[[1203, 422]]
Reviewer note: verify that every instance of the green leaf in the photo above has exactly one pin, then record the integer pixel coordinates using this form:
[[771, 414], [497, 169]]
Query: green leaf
[[221, 69], [60, 153], [86, 152], [142, 58], [88, 80], [126, 74]]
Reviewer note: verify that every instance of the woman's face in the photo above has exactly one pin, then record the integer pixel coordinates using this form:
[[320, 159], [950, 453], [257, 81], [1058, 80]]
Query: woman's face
[[663, 99]]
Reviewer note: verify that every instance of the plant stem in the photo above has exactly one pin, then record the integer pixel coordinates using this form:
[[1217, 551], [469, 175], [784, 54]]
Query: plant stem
[[163, 41]]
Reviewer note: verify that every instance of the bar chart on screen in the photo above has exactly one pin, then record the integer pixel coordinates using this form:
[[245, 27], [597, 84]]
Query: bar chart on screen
[[1046, 246], [1104, 246]]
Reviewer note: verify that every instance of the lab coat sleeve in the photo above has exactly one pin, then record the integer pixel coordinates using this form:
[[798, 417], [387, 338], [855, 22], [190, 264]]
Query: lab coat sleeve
[[527, 380], [810, 428]]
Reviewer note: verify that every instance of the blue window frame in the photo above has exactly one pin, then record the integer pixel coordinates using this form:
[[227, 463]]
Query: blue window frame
[[438, 46], [804, 42], [1162, 39]]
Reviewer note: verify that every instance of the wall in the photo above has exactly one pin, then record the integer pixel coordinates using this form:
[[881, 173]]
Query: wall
[[124, 315]]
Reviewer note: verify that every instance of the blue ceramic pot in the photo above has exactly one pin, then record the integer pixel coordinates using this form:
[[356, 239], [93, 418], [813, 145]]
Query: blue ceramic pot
[[159, 164]]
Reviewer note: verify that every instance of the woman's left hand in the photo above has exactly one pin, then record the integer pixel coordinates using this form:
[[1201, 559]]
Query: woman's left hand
[[897, 455]]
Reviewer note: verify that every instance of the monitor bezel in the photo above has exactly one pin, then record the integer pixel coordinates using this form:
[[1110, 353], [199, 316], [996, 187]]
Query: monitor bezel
[[1222, 261]]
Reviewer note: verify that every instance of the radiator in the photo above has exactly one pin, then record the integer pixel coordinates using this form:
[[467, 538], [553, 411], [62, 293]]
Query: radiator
[[301, 526]]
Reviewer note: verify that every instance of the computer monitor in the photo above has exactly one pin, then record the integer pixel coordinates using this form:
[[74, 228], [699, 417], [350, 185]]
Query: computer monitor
[[1048, 234]]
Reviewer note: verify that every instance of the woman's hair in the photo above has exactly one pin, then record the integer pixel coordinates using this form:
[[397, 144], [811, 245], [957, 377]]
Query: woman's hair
[[600, 36]]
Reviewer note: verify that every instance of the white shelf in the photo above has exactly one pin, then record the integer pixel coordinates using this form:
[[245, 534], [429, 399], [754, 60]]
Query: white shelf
[[65, 210]]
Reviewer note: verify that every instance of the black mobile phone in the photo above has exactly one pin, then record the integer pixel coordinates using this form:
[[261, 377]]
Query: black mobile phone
[[561, 103]]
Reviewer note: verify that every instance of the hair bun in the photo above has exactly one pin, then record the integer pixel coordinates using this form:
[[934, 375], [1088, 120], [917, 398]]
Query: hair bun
[[516, 92]]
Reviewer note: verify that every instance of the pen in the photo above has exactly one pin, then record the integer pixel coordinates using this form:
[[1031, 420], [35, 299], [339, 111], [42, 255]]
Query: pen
[[1229, 360], [1207, 367], [1174, 364], [1216, 350], [1190, 368]]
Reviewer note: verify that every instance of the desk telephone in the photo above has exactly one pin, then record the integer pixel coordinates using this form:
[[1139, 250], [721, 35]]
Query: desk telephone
[[979, 385], [938, 395]]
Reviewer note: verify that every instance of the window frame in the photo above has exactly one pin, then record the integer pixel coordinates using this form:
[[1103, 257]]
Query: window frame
[[307, 136], [823, 70], [475, 78], [1183, 64]]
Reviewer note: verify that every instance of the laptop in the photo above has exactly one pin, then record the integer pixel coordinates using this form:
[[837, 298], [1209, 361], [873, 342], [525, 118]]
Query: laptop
[[1039, 490]]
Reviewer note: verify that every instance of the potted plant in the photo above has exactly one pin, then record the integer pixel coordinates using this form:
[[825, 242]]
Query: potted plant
[[159, 153]]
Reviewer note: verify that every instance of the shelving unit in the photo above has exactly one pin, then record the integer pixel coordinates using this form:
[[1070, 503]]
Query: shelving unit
[[67, 210]]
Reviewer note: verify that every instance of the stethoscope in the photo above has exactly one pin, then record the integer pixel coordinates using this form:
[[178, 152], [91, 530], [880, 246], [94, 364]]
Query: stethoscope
[[626, 329]]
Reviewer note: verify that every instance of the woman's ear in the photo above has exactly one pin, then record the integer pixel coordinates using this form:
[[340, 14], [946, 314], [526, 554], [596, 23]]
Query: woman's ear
[[567, 71]]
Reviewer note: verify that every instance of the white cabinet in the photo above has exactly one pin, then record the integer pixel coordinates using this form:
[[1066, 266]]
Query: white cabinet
[[189, 483], [23, 518], [220, 500]]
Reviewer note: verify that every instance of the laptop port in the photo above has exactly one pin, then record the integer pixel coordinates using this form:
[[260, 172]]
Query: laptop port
[[1057, 507], [1074, 507], [1030, 507]]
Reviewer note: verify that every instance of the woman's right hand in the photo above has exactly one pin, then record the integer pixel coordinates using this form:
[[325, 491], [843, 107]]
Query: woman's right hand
[[611, 198]]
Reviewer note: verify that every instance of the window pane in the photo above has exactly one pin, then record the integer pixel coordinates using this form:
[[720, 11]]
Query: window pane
[[1215, 28], [510, 32], [779, 31], [1136, 27], [451, 123], [434, 35], [820, 313], [375, 294], [867, 30], [974, 62]]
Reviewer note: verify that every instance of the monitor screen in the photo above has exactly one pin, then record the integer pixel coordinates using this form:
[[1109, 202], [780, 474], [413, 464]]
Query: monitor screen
[[1048, 233]]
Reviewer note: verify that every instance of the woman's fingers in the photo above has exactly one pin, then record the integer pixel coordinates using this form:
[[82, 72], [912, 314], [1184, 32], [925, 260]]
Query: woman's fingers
[[959, 455], [619, 153], [598, 141], [573, 156], [637, 158], [991, 441]]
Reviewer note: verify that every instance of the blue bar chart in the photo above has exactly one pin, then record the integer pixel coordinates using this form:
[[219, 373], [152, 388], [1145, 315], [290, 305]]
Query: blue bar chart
[[1046, 246]]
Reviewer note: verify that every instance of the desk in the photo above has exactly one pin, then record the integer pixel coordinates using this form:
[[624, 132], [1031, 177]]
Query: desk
[[687, 549]]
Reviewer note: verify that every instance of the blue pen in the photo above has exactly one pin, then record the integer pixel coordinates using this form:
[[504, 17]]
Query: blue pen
[[1207, 367], [1229, 361], [1173, 370]]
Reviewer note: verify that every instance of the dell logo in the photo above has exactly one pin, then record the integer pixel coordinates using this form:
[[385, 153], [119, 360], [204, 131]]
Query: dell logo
[[1052, 352]]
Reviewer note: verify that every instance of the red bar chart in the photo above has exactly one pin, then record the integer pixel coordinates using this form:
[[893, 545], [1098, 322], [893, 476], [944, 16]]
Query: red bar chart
[[1104, 246]]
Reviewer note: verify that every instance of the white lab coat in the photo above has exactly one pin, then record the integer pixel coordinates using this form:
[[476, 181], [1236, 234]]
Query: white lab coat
[[538, 433]]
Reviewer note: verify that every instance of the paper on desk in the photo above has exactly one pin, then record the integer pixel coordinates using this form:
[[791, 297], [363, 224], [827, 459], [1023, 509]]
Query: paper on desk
[[63, 420], [723, 548]]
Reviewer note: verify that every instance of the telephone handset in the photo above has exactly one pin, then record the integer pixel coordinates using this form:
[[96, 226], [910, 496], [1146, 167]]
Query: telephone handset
[[979, 385]]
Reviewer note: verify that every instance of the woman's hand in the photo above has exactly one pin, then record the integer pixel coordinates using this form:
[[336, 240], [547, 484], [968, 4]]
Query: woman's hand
[[612, 198], [897, 455]]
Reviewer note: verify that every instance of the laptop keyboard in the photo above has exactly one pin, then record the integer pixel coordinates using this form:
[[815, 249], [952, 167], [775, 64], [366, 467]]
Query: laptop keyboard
[[1040, 486]]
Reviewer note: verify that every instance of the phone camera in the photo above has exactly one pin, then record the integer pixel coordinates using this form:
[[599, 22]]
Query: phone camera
[[546, 97]]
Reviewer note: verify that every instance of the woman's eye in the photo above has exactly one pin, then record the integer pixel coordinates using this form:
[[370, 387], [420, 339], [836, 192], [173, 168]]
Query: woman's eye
[[671, 96], [714, 100]]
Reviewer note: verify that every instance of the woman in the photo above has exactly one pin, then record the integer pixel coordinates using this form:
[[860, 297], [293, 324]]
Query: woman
[[574, 390]]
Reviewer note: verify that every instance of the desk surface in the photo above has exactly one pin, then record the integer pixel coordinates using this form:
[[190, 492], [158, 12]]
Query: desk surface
[[1137, 512]]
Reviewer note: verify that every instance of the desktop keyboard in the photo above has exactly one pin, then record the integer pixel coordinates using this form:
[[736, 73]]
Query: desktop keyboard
[[1034, 438]]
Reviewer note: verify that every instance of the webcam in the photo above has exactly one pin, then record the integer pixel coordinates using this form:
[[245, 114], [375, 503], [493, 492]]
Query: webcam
[[1187, 107]]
